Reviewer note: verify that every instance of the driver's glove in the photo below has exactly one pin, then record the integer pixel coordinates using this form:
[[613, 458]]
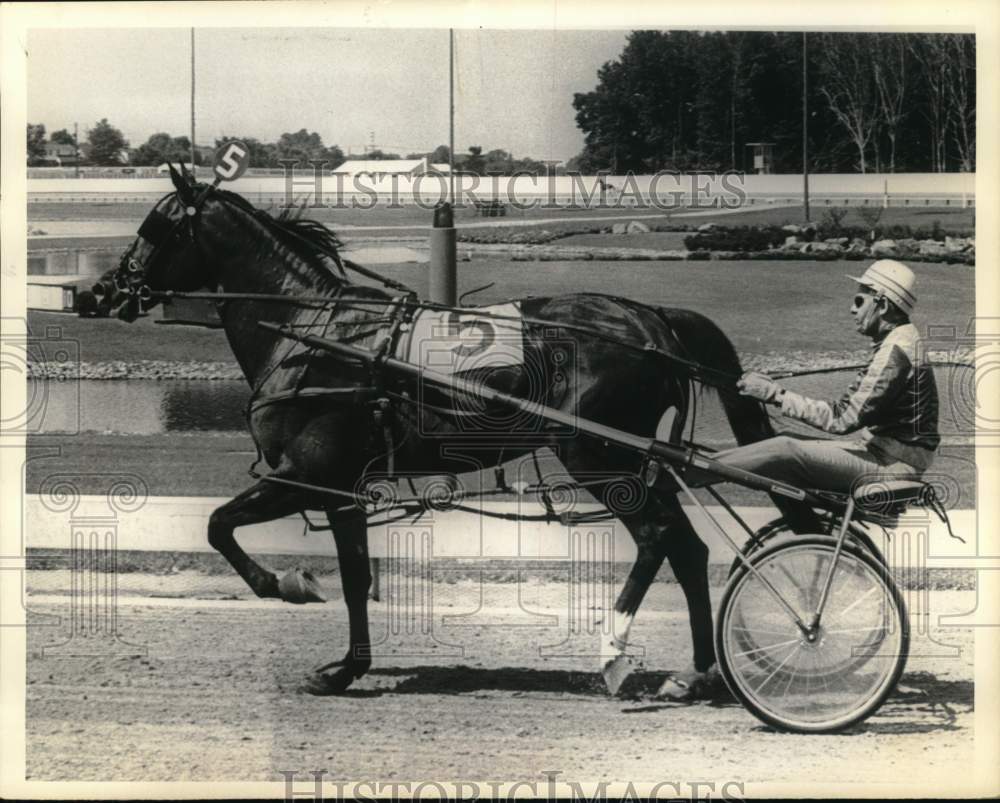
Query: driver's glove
[[760, 387]]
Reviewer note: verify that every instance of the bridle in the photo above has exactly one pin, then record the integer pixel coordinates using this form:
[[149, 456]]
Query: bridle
[[157, 230]]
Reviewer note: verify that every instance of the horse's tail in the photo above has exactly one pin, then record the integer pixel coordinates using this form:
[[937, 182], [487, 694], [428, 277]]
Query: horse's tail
[[705, 343]]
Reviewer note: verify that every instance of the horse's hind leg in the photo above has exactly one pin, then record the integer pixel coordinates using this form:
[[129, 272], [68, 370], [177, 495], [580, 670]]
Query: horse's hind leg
[[350, 532], [661, 530], [259, 503]]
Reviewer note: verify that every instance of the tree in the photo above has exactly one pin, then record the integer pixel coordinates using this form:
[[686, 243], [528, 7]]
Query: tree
[[160, 148], [261, 154], [304, 146], [440, 155], [62, 137], [106, 144], [849, 88], [962, 97], [36, 143], [890, 62], [380, 155], [930, 53], [475, 163]]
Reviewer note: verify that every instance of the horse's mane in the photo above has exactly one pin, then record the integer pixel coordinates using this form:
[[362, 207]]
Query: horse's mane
[[308, 239]]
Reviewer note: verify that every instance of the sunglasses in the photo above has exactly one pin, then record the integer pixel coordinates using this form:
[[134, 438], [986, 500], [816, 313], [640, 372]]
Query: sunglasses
[[860, 298]]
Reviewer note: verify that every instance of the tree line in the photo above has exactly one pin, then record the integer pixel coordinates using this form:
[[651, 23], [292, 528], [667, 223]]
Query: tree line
[[106, 145], [687, 100]]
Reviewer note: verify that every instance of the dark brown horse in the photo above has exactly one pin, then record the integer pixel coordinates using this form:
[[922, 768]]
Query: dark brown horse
[[209, 239]]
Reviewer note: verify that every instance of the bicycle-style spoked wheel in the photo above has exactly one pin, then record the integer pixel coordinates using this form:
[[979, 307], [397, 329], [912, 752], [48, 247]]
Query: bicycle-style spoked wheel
[[857, 653]]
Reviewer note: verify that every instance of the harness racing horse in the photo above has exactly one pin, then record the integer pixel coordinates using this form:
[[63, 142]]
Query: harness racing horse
[[312, 417]]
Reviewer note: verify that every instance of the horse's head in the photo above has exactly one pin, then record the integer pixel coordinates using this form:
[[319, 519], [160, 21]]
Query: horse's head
[[164, 256]]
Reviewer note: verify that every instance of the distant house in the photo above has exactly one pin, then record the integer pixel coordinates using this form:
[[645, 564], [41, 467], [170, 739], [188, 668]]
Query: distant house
[[382, 168], [60, 154]]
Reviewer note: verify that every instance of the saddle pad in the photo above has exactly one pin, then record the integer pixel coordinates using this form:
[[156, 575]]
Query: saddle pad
[[451, 342]]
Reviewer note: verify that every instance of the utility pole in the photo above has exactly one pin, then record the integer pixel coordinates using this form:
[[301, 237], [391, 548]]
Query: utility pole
[[192, 102], [76, 150], [805, 128]]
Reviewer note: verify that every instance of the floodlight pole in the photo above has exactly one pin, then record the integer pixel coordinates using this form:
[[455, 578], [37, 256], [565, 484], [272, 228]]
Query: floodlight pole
[[192, 102], [805, 129]]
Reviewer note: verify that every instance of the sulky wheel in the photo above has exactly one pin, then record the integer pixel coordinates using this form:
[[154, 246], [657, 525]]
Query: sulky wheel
[[778, 529], [856, 654]]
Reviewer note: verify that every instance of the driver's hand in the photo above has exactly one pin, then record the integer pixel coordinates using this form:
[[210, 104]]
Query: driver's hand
[[760, 387]]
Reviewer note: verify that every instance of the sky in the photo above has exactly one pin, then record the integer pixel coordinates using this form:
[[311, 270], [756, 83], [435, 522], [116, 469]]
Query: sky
[[513, 89]]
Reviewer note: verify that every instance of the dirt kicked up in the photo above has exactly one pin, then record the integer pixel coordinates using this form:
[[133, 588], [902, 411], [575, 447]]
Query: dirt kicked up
[[208, 690]]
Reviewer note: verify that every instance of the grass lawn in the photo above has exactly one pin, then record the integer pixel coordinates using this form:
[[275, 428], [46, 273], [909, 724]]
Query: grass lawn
[[764, 306], [379, 216], [418, 221]]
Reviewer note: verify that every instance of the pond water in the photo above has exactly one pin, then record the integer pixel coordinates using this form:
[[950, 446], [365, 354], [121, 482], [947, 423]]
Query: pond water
[[75, 263]]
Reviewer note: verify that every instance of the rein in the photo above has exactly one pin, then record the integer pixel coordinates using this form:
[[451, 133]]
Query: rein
[[712, 377]]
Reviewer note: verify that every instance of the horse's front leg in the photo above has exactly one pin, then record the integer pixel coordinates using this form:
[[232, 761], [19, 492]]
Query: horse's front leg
[[616, 662], [350, 532], [259, 503]]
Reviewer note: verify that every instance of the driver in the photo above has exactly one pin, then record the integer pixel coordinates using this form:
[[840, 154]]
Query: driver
[[893, 400]]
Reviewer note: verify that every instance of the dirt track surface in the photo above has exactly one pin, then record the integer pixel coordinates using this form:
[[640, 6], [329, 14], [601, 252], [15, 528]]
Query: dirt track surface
[[215, 697]]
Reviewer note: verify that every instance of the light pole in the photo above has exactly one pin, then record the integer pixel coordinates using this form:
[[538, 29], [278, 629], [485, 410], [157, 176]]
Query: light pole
[[192, 101], [451, 115], [805, 128]]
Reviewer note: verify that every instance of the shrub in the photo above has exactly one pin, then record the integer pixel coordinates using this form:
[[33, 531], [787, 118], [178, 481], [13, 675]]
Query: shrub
[[742, 238], [831, 224], [870, 216]]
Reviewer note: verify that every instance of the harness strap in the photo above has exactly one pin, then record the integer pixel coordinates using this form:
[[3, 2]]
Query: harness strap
[[353, 396]]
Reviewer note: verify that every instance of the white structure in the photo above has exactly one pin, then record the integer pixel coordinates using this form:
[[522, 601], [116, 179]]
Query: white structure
[[164, 168], [382, 168], [52, 293]]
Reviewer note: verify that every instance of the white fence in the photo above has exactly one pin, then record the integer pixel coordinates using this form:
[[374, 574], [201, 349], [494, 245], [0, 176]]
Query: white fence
[[180, 524], [940, 188]]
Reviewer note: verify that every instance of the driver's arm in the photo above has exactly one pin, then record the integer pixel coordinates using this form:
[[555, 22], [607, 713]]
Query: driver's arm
[[867, 401]]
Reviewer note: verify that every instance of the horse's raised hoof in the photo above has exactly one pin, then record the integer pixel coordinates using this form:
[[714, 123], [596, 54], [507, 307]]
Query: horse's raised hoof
[[616, 670], [299, 587], [691, 685]]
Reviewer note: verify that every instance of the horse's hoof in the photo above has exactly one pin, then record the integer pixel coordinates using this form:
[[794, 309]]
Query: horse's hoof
[[615, 670], [322, 684], [691, 685], [299, 587]]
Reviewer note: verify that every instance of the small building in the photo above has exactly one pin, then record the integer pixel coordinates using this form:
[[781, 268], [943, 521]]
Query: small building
[[60, 154], [763, 157], [382, 168], [164, 168], [55, 293]]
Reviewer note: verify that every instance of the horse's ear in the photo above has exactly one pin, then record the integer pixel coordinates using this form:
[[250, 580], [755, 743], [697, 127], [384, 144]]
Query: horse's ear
[[185, 174], [179, 183]]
